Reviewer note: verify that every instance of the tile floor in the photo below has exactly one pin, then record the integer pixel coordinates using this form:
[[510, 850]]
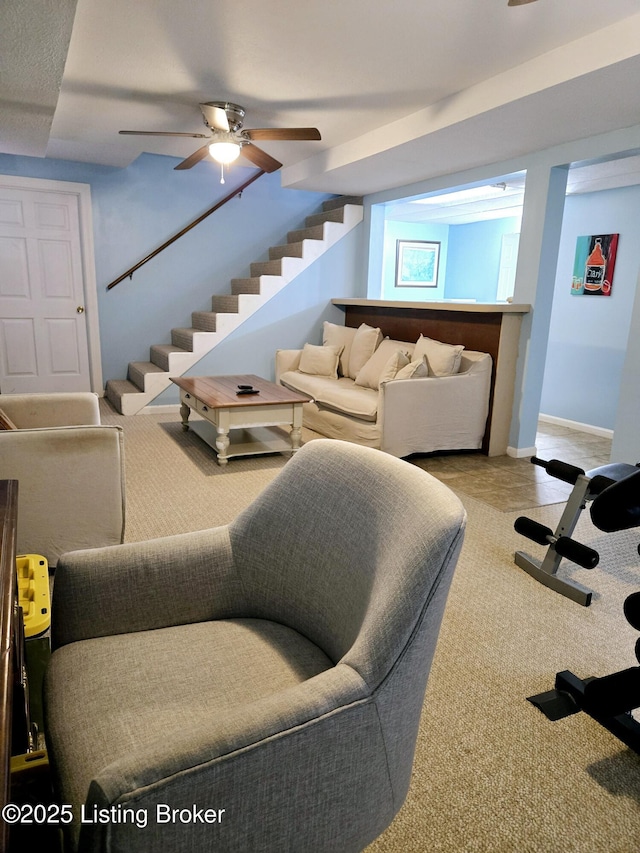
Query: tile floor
[[510, 485]]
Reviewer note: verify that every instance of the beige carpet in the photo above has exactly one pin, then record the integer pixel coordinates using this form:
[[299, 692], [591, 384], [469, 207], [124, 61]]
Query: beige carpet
[[492, 774]]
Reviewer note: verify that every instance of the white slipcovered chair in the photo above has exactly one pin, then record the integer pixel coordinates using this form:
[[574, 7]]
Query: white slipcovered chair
[[70, 472], [271, 671]]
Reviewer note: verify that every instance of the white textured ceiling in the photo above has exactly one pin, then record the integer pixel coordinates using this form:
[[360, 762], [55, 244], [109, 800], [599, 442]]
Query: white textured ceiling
[[400, 91]]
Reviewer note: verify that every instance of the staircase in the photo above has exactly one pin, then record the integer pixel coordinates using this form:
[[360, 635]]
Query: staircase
[[147, 379]]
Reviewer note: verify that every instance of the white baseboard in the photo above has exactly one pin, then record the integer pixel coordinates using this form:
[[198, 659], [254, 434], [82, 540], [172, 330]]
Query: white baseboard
[[521, 452], [169, 409], [589, 428]]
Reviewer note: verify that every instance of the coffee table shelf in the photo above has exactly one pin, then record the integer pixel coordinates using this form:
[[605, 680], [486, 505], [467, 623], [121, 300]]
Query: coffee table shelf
[[244, 441]]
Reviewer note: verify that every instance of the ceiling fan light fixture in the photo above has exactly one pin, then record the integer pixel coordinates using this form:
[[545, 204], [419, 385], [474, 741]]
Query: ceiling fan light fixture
[[224, 152]]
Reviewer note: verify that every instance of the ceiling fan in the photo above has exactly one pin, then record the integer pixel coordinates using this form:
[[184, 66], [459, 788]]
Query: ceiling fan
[[227, 139]]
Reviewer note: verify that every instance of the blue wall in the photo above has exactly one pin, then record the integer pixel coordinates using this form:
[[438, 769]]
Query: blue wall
[[469, 259], [137, 208], [588, 334], [394, 231], [473, 265]]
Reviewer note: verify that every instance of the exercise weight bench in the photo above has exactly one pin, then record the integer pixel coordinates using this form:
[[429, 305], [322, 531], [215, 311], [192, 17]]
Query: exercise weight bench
[[586, 487], [610, 699]]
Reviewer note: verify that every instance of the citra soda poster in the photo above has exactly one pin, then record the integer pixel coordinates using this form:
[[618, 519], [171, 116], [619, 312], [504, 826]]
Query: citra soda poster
[[594, 264]]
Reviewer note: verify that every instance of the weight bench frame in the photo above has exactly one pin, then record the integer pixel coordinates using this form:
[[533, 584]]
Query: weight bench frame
[[586, 487], [570, 697], [546, 571]]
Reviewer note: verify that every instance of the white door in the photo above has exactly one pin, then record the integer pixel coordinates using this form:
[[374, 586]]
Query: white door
[[43, 332], [508, 264]]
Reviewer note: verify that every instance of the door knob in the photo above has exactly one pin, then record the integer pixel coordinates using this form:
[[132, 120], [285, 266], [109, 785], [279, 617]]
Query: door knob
[[80, 309]]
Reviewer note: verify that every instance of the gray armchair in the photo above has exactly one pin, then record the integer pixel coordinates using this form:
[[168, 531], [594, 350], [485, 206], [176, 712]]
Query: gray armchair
[[258, 686]]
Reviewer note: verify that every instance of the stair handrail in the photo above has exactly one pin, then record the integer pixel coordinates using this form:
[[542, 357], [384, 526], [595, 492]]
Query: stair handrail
[[129, 273]]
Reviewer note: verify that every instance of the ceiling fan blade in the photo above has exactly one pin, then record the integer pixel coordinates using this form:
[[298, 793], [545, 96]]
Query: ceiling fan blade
[[215, 117], [163, 133], [260, 158], [194, 158], [282, 133]]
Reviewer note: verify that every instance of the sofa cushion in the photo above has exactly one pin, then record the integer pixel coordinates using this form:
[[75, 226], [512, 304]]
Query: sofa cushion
[[443, 359], [320, 361], [341, 395], [364, 344], [339, 336], [370, 374], [414, 370]]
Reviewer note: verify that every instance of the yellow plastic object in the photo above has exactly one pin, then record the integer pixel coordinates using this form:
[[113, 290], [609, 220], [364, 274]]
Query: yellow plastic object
[[28, 761], [33, 593]]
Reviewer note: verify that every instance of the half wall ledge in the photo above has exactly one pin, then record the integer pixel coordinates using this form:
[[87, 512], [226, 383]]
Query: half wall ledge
[[492, 327]]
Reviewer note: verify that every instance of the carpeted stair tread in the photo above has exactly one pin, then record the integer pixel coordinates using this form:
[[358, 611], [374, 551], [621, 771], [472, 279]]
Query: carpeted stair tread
[[205, 321], [316, 232], [225, 304], [266, 268], [340, 201], [139, 369], [245, 285], [183, 338], [122, 386], [336, 215], [287, 250], [160, 354], [116, 389]]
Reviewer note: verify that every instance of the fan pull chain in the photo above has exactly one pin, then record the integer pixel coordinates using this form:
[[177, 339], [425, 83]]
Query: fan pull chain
[[222, 173]]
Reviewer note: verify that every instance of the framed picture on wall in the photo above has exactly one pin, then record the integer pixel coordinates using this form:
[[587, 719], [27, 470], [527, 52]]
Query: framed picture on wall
[[417, 263], [594, 264]]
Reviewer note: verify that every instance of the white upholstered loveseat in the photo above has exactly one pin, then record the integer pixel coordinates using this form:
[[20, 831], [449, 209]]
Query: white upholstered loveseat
[[401, 397]]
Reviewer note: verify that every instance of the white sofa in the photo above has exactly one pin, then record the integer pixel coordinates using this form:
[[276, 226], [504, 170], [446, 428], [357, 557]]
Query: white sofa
[[439, 400]]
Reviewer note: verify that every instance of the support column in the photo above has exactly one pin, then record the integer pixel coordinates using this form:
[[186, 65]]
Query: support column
[[374, 250], [535, 279], [626, 436]]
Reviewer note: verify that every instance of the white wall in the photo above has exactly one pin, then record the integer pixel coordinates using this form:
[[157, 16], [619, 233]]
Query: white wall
[[473, 264]]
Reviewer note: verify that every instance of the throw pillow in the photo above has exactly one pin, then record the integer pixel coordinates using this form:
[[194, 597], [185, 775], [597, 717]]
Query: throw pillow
[[443, 359], [6, 422], [414, 370], [364, 344], [320, 361], [339, 336], [397, 361], [369, 375]]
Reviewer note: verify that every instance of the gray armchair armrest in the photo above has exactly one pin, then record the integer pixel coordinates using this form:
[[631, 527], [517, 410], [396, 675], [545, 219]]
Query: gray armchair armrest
[[144, 585], [275, 715]]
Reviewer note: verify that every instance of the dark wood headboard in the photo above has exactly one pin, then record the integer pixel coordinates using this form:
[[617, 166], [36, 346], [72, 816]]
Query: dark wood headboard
[[475, 331]]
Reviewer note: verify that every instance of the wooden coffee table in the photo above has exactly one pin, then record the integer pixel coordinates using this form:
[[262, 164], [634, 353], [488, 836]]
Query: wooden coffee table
[[236, 425]]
